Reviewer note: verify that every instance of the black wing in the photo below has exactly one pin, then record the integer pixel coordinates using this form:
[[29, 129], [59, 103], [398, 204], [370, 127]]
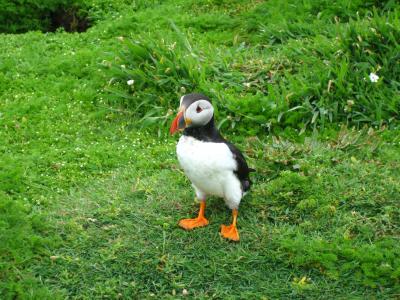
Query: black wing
[[243, 169]]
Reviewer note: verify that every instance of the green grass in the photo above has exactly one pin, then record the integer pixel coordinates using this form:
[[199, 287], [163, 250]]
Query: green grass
[[263, 61], [90, 188]]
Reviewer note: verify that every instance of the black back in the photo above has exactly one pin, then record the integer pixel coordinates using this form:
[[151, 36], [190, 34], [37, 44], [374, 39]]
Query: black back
[[209, 133]]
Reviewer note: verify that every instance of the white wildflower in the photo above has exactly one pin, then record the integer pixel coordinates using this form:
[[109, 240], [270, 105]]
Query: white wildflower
[[130, 82], [373, 77]]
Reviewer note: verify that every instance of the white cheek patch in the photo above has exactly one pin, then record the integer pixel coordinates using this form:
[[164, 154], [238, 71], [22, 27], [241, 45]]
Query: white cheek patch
[[200, 118]]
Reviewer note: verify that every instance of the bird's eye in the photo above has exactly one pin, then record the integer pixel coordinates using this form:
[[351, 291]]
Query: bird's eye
[[199, 109]]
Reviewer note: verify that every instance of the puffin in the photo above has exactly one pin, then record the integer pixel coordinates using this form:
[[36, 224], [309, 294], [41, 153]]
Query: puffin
[[214, 166]]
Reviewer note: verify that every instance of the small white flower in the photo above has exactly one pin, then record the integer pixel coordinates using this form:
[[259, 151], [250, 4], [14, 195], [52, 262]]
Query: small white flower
[[130, 82], [373, 77]]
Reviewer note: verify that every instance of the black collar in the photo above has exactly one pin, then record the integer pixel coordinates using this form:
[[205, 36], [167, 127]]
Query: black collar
[[206, 133]]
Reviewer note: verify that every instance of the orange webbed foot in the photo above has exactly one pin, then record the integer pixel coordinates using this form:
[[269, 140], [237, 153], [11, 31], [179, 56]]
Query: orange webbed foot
[[230, 232], [200, 221], [189, 224]]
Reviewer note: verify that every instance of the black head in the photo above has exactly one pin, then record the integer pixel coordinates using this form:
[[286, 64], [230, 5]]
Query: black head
[[187, 100]]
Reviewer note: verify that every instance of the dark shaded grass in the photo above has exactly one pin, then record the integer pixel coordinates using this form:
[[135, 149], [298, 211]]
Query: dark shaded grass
[[295, 69]]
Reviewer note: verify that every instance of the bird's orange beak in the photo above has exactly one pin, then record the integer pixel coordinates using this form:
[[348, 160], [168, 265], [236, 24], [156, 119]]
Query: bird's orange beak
[[178, 123]]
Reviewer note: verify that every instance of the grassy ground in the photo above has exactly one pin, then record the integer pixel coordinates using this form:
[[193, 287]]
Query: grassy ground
[[90, 197]]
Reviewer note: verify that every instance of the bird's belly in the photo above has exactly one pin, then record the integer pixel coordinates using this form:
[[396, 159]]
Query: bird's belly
[[207, 165], [210, 184]]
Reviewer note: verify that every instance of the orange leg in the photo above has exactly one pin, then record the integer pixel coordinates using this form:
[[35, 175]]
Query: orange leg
[[230, 232], [200, 221]]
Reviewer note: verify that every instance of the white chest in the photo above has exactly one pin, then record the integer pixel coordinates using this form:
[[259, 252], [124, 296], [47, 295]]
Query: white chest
[[209, 166]]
